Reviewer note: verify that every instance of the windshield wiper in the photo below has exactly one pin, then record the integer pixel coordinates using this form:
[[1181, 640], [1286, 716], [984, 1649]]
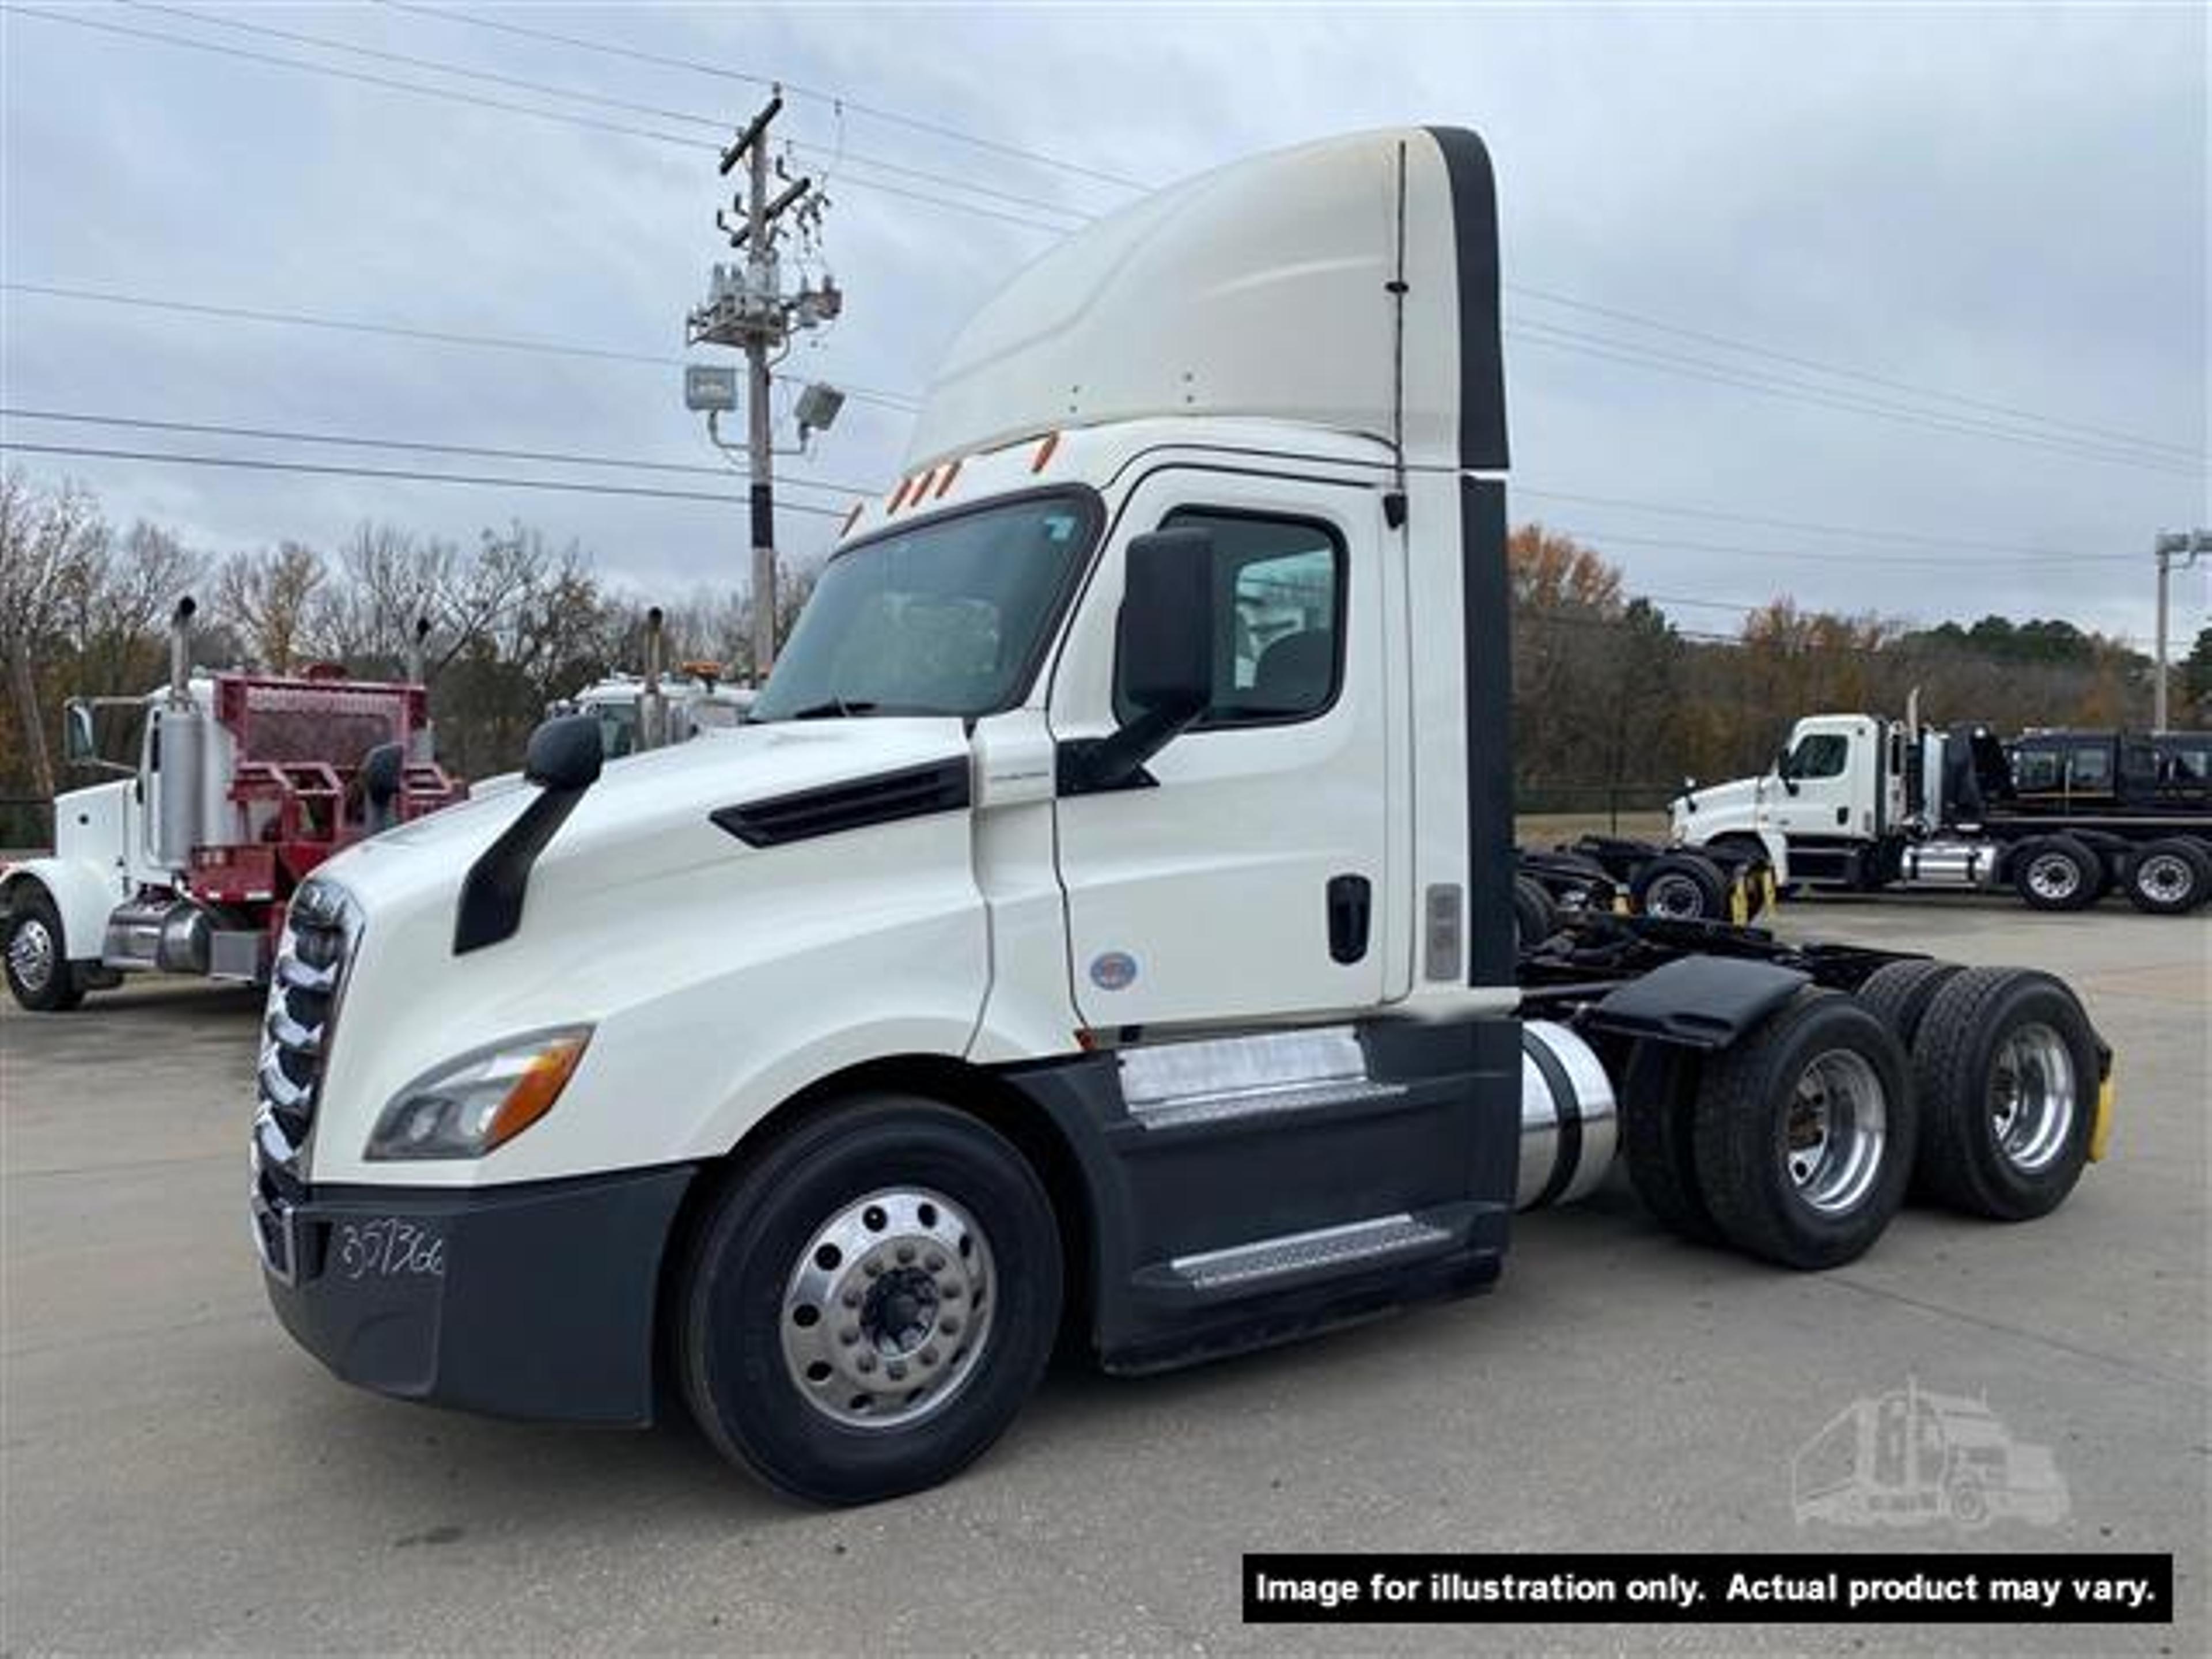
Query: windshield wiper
[[835, 708]]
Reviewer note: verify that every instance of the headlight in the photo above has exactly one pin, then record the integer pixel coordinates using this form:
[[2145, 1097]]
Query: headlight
[[481, 1100]]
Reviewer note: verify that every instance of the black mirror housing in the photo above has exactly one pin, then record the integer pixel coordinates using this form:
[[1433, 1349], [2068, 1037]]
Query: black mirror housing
[[564, 755], [1164, 634], [381, 770]]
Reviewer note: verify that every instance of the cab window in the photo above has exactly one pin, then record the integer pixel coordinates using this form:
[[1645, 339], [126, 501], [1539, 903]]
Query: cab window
[[1279, 586], [1821, 755], [2092, 769], [2036, 769]]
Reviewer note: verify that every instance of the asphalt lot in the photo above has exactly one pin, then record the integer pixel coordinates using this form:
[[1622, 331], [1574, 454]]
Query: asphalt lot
[[178, 1475]]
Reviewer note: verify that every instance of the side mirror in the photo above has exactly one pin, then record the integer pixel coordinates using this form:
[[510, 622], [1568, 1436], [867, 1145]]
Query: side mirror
[[78, 742], [1164, 641], [1785, 771], [1164, 634], [564, 755]]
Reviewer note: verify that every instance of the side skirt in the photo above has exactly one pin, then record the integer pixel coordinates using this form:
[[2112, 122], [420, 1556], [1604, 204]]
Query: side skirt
[[1249, 1190]]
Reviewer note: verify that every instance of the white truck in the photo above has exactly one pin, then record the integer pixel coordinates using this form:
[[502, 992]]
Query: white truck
[[649, 710], [1102, 926], [1858, 803], [240, 786]]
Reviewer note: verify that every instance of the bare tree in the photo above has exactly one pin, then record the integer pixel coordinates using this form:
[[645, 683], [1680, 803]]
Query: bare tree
[[271, 598], [52, 540]]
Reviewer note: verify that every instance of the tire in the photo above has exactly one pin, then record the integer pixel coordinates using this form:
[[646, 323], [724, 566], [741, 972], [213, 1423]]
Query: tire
[[2007, 1069], [2167, 878], [1899, 994], [39, 974], [1658, 1109], [1682, 886], [938, 1216], [1536, 916], [1826, 1065], [2057, 872]]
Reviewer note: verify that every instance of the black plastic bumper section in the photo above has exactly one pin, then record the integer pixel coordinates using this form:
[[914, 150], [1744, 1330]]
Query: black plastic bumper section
[[532, 1301]]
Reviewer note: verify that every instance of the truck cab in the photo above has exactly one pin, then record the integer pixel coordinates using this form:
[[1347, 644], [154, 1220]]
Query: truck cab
[[1836, 787]]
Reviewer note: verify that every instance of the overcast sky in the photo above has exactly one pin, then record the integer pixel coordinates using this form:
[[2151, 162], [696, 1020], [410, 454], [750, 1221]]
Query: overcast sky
[[2007, 206]]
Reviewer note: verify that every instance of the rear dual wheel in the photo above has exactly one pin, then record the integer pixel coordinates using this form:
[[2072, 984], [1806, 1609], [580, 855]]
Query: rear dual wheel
[[1794, 1144], [2168, 878], [2008, 1068], [1804, 1134], [1681, 886], [2059, 872]]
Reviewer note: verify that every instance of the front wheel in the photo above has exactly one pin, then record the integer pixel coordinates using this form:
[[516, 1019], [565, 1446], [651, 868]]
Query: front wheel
[[39, 974], [869, 1303]]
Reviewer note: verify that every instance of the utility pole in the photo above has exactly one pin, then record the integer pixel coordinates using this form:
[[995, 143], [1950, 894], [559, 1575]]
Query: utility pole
[[2169, 545], [747, 307]]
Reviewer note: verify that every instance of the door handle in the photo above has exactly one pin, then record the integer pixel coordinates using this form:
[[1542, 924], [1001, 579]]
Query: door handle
[[1351, 903]]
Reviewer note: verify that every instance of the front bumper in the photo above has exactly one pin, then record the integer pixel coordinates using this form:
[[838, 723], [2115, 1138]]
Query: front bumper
[[535, 1300]]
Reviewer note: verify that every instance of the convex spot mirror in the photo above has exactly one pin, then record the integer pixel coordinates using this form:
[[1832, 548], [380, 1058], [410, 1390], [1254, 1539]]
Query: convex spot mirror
[[564, 754]]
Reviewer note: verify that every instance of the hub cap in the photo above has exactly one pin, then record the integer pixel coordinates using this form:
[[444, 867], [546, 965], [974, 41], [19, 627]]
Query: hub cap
[[2054, 876], [1833, 1133], [1675, 896], [2032, 1097], [31, 955], [2166, 878], [887, 1309]]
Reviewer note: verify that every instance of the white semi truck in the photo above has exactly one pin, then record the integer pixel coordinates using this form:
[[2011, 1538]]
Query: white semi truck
[[1101, 928], [1859, 803]]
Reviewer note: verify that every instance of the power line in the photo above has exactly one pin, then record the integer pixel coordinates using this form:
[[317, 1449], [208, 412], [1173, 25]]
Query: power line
[[1650, 357], [1859, 531], [355, 440], [1600, 537], [407, 331], [716, 122], [332, 470], [451, 95], [1641, 320], [874, 112]]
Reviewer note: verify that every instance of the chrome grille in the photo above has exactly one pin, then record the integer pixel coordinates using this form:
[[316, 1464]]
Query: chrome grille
[[312, 953]]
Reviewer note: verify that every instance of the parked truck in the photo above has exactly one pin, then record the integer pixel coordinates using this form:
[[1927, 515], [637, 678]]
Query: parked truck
[[1103, 929], [647, 710], [241, 784], [1859, 803]]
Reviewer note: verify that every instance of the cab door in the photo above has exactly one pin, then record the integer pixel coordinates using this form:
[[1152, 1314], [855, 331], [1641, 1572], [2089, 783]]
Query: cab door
[[1249, 879], [1832, 770]]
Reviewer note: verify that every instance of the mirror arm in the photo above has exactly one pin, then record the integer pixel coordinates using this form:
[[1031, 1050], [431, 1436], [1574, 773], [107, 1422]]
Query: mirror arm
[[1092, 766]]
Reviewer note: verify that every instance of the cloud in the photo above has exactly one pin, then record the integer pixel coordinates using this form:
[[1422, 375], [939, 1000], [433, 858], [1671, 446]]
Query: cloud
[[2008, 205]]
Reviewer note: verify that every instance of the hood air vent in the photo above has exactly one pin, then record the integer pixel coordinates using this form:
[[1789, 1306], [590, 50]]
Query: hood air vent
[[912, 792]]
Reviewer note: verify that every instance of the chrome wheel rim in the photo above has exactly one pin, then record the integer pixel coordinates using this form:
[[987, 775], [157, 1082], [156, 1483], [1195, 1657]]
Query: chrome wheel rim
[[2032, 1097], [2054, 876], [31, 955], [2165, 877], [888, 1309], [1834, 1130], [1675, 897]]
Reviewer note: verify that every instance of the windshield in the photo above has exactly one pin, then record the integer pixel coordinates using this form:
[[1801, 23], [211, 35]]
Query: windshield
[[948, 618]]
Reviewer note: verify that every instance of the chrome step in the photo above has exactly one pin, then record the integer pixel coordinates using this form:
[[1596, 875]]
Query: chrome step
[[1174, 1085], [1356, 1241]]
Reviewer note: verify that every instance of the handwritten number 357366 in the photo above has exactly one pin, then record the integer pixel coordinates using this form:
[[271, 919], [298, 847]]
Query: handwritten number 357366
[[389, 1249]]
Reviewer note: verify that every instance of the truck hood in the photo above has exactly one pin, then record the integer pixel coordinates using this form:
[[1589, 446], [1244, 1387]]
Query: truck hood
[[648, 814], [1715, 809]]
